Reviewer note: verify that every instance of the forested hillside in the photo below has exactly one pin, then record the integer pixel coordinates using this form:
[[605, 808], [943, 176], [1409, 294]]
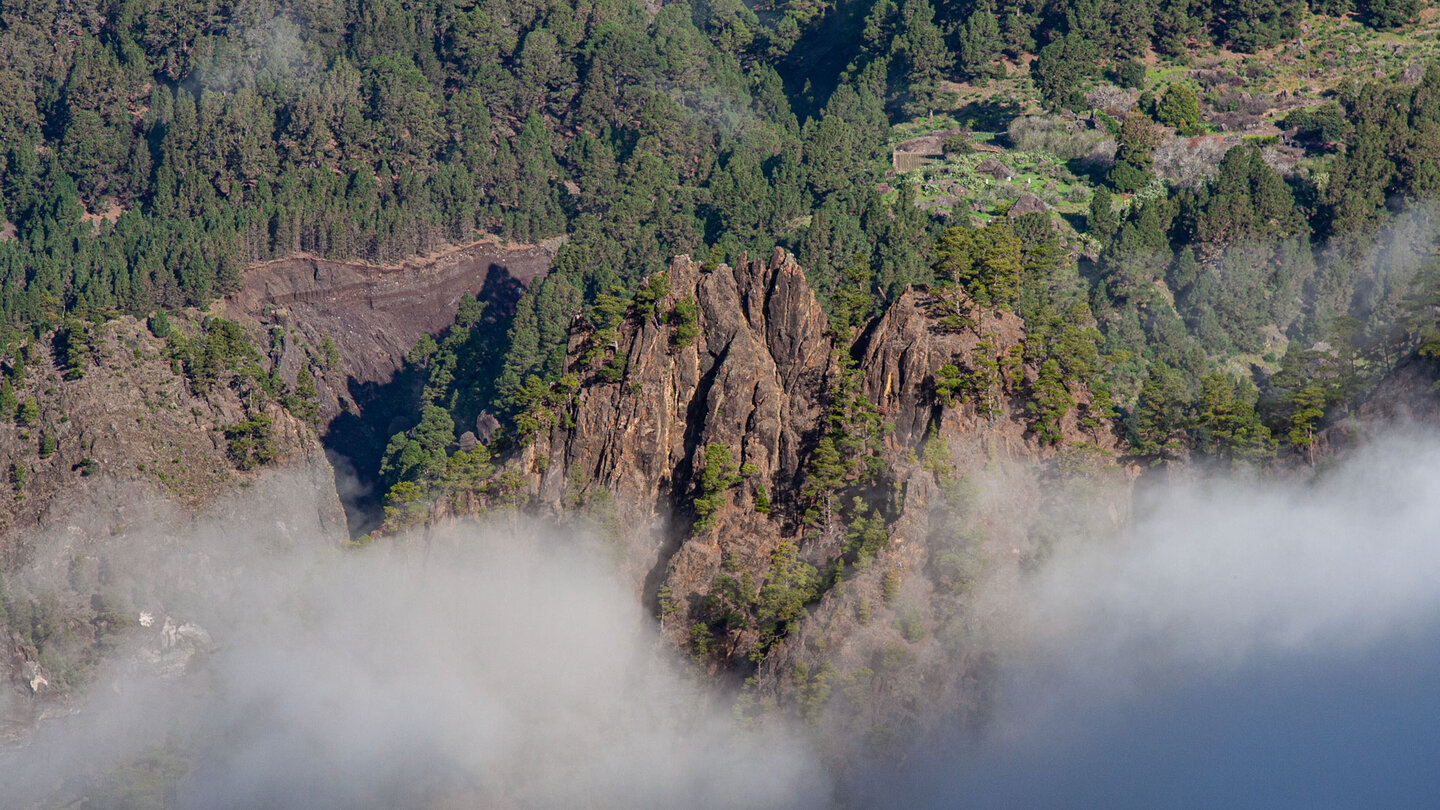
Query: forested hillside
[[152, 151], [1225, 250], [820, 313]]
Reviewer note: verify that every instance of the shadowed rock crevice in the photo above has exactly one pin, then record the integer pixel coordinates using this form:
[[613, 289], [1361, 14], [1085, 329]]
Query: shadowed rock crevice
[[373, 316], [355, 443]]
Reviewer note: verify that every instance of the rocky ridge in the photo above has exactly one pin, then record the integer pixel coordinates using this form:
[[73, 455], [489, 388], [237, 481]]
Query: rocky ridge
[[965, 488]]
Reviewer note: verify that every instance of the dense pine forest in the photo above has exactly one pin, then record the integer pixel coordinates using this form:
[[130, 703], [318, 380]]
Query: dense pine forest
[[1223, 293]]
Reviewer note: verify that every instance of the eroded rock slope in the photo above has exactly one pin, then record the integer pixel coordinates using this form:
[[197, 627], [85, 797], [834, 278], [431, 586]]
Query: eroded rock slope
[[809, 507], [115, 441]]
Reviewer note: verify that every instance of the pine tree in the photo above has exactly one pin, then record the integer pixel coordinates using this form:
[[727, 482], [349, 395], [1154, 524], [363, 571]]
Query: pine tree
[[1049, 402], [824, 476], [717, 474], [1225, 424], [925, 52], [29, 413], [1246, 200], [1252, 25], [1158, 417], [1090, 20], [1309, 408], [1061, 69], [1132, 25], [984, 262], [1102, 221], [1138, 139], [1179, 107], [1390, 13], [980, 41]]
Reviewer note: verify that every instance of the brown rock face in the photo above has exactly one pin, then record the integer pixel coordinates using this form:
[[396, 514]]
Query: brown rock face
[[374, 314], [906, 346], [131, 441], [753, 380], [758, 380], [102, 484]]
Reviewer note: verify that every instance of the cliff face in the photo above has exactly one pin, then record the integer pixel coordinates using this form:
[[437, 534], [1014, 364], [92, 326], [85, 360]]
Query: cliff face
[[753, 380], [355, 324], [111, 464], [126, 448], [129, 434], [373, 315], [905, 348], [1409, 396], [962, 486]]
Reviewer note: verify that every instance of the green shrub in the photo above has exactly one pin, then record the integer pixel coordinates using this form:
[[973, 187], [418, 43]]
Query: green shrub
[[29, 413], [1179, 107], [957, 145], [651, 292], [685, 317], [405, 505], [890, 586], [1128, 73], [252, 442], [717, 473], [159, 324]]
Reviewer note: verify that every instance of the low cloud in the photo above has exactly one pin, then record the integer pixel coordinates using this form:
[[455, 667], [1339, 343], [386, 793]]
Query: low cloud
[[1247, 643], [473, 666]]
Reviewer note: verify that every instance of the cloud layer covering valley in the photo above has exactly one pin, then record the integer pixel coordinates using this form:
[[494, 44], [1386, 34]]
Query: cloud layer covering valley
[[1248, 643], [1244, 643], [471, 667]]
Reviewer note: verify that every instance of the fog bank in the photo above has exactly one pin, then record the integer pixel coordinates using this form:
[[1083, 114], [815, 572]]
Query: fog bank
[[472, 667], [1248, 643]]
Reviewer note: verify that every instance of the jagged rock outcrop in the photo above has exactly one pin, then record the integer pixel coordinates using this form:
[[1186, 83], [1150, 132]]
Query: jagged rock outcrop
[[903, 350], [753, 379], [758, 379]]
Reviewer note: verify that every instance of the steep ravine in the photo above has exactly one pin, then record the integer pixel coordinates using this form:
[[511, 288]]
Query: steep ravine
[[128, 442], [372, 316]]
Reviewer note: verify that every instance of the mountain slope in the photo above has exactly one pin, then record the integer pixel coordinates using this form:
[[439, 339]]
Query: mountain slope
[[789, 500]]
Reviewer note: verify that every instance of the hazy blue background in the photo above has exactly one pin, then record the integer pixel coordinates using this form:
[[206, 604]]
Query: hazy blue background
[[1358, 729], [1248, 643]]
